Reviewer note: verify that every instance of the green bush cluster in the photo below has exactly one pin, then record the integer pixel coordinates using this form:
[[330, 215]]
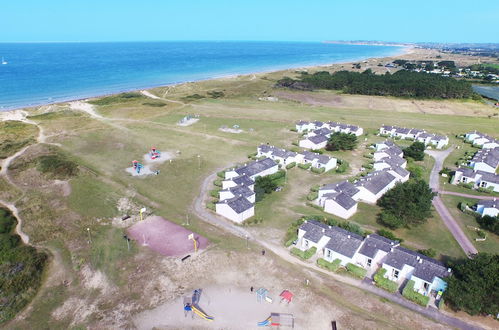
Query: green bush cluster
[[218, 182], [318, 170], [119, 98], [57, 166], [356, 270], [384, 283], [388, 234], [211, 206], [332, 266], [221, 174], [214, 193], [342, 166], [304, 166], [21, 268], [290, 165], [312, 196], [307, 254], [414, 296]]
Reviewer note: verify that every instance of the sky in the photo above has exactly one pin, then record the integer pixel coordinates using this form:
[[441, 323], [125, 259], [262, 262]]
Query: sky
[[262, 20]]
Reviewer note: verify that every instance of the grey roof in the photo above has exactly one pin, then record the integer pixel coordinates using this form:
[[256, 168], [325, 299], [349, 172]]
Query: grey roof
[[318, 123], [322, 131], [375, 181], [425, 268], [314, 230], [487, 156], [392, 151], [343, 241], [265, 148], [476, 175], [344, 186], [402, 130], [241, 190], [239, 204], [316, 139], [435, 137], [374, 242], [392, 160], [301, 122], [256, 167], [341, 199], [489, 177], [343, 126], [489, 203], [400, 171], [387, 127], [323, 159], [308, 155], [243, 180]]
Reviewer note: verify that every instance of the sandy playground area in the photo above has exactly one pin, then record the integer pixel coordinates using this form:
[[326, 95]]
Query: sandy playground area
[[165, 237], [231, 308]]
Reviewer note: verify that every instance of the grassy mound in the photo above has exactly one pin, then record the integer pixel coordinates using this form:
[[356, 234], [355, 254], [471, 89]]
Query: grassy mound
[[15, 135]]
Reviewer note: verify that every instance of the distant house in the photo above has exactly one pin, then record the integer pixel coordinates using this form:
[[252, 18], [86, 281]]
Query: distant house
[[486, 160], [374, 185], [236, 209], [316, 160], [315, 142], [279, 155], [403, 264], [254, 169], [237, 197], [393, 151], [479, 179], [488, 207], [390, 162], [345, 128], [481, 140], [339, 204], [437, 141]]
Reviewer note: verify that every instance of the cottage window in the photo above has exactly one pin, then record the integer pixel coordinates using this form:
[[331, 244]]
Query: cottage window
[[483, 184], [305, 243], [395, 273], [328, 253], [426, 285], [369, 261]]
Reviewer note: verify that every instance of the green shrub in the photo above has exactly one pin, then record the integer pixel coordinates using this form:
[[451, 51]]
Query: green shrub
[[441, 303], [57, 166], [7, 221], [216, 94], [211, 206], [428, 252], [218, 182], [304, 166], [332, 266], [252, 155], [315, 188], [304, 254], [290, 241], [317, 151], [119, 98], [277, 175], [388, 234], [414, 296], [293, 130], [290, 165], [291, 233], [385, 283], [466, 185], [342, 167], [193, 97], [356, 270], [155, 104], [312, 196], [214, 193], [318, 170], [221, 174]]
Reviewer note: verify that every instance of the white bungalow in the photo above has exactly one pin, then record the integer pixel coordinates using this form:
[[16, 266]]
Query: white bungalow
[[236, 209], [315, 142], [488, 207]]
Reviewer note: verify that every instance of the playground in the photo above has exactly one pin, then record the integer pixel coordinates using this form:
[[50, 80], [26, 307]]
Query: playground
[[224, 308], [165, 237], [150, 160]]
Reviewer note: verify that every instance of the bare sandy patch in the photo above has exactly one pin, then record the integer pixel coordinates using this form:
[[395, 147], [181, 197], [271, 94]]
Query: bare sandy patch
[[150, 95], [85, 107], [145, 171], [165, 155], [18, 115]]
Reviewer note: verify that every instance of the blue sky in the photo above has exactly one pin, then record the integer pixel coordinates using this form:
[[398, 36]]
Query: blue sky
[[305, 20]]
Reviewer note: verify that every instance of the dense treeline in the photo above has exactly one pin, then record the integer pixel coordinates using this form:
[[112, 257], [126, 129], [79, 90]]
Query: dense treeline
[[21, 268], [401, 83]]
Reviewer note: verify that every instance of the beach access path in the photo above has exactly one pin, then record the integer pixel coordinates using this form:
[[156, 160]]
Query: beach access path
[[200, 210]]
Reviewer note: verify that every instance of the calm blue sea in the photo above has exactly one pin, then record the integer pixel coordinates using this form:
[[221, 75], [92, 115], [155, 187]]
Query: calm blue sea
[[41, 73]]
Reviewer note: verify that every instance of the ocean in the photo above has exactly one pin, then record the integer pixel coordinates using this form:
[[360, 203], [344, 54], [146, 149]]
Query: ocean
[[42, 73]]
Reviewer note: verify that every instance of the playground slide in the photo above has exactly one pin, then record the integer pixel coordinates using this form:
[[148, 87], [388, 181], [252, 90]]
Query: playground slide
[[265, 323], [201, 314]]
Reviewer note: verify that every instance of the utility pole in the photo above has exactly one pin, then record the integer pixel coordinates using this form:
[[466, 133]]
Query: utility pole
[[89, 237], [199, 162]]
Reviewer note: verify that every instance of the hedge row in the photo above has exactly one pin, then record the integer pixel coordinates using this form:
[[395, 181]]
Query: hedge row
[[290, 165], [304, 254], [356, 270], [384, 283], [312, 196], [318, 170], [414, 296], [332, 266], [304, 166]]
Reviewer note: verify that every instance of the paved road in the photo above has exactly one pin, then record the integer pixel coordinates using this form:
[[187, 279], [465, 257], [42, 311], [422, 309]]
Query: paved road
[[442, 192], [204, 214], [447, 218]]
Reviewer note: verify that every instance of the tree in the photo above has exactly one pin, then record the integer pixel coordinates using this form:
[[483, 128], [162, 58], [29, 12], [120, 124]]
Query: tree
[[341, 141], [474, 285], [415, 151], [407, 204], [264, 185]]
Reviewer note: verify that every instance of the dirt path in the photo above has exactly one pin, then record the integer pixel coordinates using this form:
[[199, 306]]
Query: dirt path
[[18, 229], [204, 214], [444, 213], [442, 192]]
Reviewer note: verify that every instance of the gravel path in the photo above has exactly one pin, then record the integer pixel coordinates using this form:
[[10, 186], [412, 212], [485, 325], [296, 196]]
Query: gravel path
[[447, 218]]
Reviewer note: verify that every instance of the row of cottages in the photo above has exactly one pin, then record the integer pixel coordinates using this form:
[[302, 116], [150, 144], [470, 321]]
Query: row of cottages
[[341, 198], [319, 132], [481, 140], [437, 141], [479, 179], [488, 207], [373, 252], [307, 126], [285, 157], [237, 197], [486, 160]]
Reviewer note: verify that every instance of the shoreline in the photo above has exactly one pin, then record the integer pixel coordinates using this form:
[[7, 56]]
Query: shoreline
[[405, 50]]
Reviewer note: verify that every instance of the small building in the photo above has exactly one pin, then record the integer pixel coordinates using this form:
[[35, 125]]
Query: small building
[[479, 179], [254, 169], [374, 185], [315, 142], [488, 207], [236, 209], [374, 250], [486, 160], [239, 180], [240, 190], [339, 204]]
